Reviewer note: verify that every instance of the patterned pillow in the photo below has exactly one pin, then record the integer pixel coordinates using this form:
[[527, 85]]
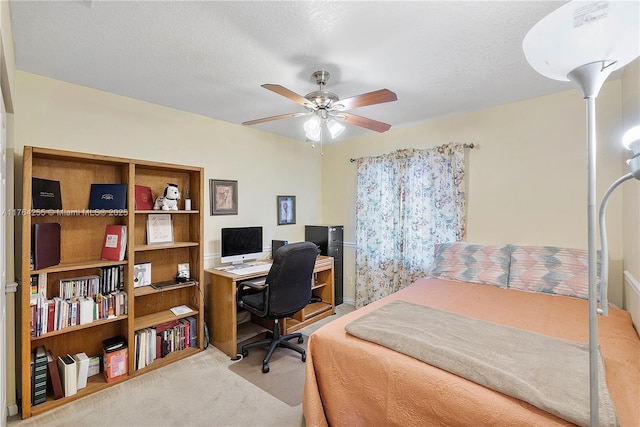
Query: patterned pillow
[[551, 270], [468, 262]]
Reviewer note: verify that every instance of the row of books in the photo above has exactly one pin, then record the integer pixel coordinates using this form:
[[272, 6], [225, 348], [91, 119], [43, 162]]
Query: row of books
[[158, 341], [111, 279], [63, 375], [53, 314]]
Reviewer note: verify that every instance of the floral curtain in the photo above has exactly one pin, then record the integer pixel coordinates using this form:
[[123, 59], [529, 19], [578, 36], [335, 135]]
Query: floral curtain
[[406, 202]]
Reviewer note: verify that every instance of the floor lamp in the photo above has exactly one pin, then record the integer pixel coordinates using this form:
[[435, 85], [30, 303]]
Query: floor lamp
[[584, 42], [631, 141]]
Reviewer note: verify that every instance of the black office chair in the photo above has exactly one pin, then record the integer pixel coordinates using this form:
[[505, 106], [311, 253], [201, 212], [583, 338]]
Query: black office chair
[[287, 290]]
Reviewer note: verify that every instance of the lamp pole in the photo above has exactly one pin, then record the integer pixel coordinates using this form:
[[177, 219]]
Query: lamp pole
[[584, 42], [589, 78]]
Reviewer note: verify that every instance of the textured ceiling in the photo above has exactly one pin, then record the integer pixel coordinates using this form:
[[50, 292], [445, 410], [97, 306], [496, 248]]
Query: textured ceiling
[[440, 57]]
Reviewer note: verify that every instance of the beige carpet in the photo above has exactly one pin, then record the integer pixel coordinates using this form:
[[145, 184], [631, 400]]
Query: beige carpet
[[285, 378]]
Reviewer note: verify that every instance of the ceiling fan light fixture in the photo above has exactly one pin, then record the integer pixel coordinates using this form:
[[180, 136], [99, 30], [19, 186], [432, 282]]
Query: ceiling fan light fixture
[[312, 126], [324, 106], [335, 128], [313, 136]]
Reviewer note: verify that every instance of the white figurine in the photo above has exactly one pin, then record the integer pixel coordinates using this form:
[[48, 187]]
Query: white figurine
[[169, 201]]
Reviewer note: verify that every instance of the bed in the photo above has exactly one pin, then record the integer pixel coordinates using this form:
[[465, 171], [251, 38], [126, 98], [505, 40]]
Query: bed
[[351, 381]]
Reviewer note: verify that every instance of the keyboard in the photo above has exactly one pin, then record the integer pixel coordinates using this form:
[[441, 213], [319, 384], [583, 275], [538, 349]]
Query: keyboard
[[258, 268]]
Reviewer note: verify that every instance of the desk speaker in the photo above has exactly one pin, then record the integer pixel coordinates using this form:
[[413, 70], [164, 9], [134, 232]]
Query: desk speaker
[[275, 244]]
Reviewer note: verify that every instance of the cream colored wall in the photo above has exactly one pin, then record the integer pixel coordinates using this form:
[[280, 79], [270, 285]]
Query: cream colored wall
[[52, 113], [631, 190], [526, 178]]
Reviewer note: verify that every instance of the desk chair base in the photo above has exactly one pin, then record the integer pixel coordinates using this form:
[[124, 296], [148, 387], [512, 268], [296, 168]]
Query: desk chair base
[[275, 340]]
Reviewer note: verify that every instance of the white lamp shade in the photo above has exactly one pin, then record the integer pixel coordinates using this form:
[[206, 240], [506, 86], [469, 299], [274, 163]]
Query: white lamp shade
[[631, 140], [335, 128], [312, 128], [313, 136], [583, 32]]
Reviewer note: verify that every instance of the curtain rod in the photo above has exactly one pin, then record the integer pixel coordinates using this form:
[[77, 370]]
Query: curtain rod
[[471, 146]]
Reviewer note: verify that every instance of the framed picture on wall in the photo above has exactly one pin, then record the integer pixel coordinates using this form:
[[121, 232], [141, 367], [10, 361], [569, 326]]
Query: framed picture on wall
[[224, 197], [286, 210]]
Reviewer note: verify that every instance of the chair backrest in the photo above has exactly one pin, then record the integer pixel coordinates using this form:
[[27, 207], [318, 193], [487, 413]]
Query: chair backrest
[[290, 279]]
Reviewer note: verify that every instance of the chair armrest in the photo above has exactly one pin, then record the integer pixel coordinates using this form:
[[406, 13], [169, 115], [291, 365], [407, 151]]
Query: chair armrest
[[257, 284]]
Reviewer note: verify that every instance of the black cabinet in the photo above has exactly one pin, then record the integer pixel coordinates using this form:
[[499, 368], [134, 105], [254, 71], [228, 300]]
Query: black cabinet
[[329, 239]]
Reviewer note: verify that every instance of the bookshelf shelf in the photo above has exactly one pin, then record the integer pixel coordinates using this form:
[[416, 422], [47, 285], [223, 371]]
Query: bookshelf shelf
[[162, 246], [148, 290], [160, 317], [155, 211], [95, 383], [71, 266], [167, 360], [76, 212], [71, 329], [81, 236], [318, 286]]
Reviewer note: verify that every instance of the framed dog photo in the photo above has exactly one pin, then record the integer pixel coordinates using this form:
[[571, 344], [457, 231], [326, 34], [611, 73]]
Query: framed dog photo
[[286, 210], [224, 197]]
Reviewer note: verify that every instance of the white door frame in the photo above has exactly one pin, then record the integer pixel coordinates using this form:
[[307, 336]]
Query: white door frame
[[3, 262]]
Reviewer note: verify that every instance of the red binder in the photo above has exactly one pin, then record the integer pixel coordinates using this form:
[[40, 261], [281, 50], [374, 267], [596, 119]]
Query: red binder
[[54, 374], [114, 244], [144, 199]]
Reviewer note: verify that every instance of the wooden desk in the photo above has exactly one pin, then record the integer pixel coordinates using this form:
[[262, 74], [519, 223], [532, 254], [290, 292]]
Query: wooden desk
[[221, 304]]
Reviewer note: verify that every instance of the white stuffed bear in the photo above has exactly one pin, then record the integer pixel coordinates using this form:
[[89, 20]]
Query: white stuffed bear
[[169, 201]]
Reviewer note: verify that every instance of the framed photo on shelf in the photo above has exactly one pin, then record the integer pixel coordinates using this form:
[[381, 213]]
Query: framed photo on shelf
[[286, 210], [224, 197], [159, 229], [141, 274]]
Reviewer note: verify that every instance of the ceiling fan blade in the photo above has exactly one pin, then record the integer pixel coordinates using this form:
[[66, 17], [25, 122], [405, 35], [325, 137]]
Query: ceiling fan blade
[[363, 122], [281, 90], [375, 97], [268, 119]]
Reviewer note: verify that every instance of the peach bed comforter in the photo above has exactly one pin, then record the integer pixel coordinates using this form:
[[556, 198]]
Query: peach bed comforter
[[352, 382]]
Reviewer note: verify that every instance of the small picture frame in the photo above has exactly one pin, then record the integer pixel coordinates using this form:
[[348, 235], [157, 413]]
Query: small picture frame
[[286, 210], [224, 197], [141, 275], [159, 229]]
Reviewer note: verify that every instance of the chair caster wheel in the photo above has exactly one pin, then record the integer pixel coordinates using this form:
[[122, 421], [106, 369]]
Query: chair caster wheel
[[304, 357], [300, 340], [265, 369], [245, 353]]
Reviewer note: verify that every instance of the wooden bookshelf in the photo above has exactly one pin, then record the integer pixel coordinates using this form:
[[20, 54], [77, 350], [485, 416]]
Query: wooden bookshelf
[[82, 234]]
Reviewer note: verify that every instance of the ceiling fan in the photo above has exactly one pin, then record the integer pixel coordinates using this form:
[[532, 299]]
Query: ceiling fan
[[326, 108]]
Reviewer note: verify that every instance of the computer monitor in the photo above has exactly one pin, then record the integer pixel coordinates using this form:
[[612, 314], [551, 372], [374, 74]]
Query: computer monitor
[[241, 244]]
